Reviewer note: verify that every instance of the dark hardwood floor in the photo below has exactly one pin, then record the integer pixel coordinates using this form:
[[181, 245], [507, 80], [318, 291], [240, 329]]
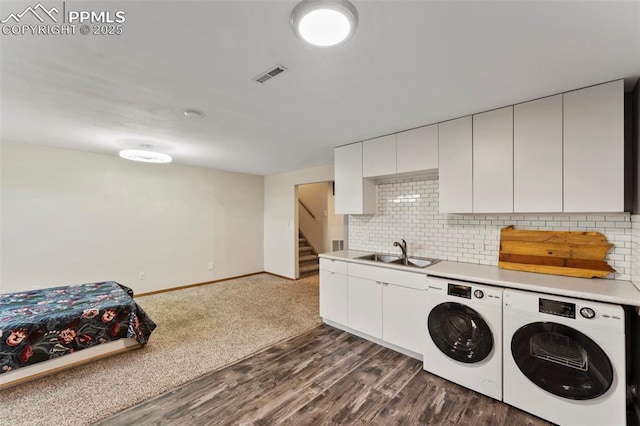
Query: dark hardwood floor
[[325, 376]]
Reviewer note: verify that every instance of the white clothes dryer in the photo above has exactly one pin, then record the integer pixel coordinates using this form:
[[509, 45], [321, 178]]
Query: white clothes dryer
[[564, 359], [464, 334]]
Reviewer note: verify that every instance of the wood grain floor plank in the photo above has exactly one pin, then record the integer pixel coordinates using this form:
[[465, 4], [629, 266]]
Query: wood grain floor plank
[[311, 375], [230, 377], [246, 381], [325, 376]]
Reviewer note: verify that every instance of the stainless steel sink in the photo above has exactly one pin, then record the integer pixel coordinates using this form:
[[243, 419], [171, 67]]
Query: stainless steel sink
[[385, 258], [416, 262], [413, 262]]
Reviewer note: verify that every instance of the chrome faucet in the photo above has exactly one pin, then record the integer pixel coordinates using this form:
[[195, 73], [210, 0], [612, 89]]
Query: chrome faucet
[[403, 247]]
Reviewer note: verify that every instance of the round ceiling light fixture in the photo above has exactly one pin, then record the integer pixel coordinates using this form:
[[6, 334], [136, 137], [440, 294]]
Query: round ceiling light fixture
[[324, 23], [145, 155], [193, 113]]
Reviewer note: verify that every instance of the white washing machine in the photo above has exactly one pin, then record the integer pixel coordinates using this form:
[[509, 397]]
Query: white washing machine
[[464, 334], [564, 359]]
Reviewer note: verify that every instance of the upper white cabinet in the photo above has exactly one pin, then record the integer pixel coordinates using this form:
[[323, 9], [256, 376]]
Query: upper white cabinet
[[417, 149], [594, 149], [354, 195], [562, 153], [537, 155], [493, 161], [455, 152], [379, 156]]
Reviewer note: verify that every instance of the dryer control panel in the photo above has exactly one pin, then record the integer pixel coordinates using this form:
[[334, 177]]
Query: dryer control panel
[[557, 307]]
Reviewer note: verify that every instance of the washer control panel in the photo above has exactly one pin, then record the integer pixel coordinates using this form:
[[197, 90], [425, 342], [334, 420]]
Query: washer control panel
[[459, 290], [587, 313]]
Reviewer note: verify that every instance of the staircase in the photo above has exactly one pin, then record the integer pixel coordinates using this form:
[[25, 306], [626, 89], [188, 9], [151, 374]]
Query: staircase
[[307, 258]]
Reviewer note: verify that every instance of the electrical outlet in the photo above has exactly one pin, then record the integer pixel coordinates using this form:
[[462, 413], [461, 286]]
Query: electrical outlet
[[143, 275], [210, 265]]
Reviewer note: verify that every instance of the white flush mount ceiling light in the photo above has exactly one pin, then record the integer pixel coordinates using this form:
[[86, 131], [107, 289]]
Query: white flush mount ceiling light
[[193, 113], [324, 23], [145, 155]]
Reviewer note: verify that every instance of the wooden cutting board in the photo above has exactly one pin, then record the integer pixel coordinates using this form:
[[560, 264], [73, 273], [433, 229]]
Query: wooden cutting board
[[574, 254]]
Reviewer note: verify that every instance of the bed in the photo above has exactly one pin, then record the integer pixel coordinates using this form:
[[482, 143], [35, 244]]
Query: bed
[[44, 331]]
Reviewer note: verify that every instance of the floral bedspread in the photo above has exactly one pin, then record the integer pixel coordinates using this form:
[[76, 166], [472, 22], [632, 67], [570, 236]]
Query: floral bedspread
[[38, 325]]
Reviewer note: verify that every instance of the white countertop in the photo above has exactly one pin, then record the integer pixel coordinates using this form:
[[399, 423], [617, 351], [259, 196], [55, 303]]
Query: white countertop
[[598, 289]]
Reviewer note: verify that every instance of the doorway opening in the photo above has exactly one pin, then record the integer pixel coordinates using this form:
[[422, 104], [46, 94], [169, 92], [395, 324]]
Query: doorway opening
[[319, 229]]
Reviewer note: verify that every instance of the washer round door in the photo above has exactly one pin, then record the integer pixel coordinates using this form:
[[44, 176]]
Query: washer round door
[[460, 332], [562, 360]]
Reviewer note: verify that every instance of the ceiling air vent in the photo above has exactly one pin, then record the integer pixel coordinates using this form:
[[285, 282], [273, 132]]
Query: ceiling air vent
[[268, 75]]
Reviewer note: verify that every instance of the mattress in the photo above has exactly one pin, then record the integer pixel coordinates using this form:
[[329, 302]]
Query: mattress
[[39, 325]]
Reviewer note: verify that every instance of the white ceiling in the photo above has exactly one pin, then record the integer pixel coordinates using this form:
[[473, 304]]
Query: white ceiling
[[409, 64]]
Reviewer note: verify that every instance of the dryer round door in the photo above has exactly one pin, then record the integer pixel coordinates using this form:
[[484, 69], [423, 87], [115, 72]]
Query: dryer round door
[[460, 332], [562, 360]]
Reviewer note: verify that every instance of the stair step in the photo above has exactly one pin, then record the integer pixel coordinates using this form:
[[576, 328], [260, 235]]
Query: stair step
[[304, 249], [308, 258], [302, 241], [309, 268]]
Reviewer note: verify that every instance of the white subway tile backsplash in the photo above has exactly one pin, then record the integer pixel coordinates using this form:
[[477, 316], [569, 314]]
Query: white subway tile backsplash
[[408, 209]]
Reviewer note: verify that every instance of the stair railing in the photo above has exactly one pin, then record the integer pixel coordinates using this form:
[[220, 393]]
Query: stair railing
[[307, 209]]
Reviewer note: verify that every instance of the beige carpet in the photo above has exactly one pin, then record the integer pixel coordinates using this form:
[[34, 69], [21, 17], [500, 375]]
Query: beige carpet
[[199, 330]]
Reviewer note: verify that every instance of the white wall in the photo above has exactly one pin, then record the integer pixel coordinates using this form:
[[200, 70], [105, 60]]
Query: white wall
[[280, 232], [409, 209], [72, 217]]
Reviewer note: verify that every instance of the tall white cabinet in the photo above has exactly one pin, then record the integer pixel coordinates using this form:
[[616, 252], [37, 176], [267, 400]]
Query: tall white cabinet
[[493, 161], [537, 156], [354, 195], [455, 152], [594, 149]]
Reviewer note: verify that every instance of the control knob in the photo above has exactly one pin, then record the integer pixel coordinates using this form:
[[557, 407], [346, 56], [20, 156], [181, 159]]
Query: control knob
[[587, 313], [479, 294]]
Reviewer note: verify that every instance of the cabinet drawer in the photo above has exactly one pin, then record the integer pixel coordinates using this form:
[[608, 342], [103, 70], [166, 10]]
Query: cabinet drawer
[[332, 265], [390, 276]]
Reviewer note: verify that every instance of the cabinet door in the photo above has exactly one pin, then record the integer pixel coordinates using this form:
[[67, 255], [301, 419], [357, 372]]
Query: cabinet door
[[537, 156], [455, 162], [594, 149], [379, 156], [417, 149], [333, 296], [404, 317], [353, 194], [365, 306], [493, 161]]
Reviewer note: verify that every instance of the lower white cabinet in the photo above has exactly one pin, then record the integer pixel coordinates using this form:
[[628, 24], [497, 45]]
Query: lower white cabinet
[[403, 317], [365, 306], [333, 291], [384, 303]]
